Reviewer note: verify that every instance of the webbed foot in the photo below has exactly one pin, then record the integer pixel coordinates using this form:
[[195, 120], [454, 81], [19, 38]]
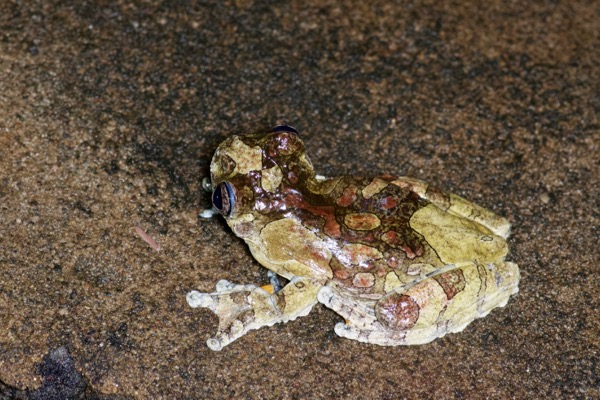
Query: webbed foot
[[241, 308]]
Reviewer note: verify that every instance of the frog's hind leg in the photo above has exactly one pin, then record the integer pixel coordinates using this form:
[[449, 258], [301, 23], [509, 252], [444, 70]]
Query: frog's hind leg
[[241, 308], [361, 322], [365, 321], [427, 308], [457, 205]]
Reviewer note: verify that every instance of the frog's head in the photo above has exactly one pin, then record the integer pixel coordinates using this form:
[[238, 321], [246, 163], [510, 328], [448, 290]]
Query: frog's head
[[254, 174]]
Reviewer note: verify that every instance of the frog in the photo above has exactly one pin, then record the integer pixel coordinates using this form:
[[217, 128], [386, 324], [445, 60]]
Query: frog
[[400, 260]]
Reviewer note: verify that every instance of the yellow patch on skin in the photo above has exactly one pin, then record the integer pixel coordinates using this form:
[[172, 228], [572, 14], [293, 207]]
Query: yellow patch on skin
[[358, 254], [246, 158], [289, 246], [415, 185], [248, 217], [376, 186], [271, 178], [362, 221], [457, 239], [304, 160], [391, 282], [363, 280]]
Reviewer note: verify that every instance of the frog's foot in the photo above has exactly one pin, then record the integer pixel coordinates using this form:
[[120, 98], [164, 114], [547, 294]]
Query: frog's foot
[[241, 308], [361, 321], [234, 305]]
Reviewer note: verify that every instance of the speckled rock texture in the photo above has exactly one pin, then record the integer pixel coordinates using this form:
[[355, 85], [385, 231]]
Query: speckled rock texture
[[110, 112]]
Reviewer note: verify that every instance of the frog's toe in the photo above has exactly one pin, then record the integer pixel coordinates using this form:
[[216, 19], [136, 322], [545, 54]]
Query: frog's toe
[[224, 285], [214, 344], [226, 336], [357, 314], [372, 336], [198, 299], [229, 332], [349, 331], [344, 330]]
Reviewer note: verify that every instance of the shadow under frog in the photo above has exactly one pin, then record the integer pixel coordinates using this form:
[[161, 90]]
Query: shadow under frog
[[403, 262]]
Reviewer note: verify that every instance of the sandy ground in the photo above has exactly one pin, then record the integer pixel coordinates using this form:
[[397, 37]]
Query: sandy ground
[[110, 112]]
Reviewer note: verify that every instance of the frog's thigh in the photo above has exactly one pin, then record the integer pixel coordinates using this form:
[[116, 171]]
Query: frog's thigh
[[457, 205], [457, 239], [497, 282]]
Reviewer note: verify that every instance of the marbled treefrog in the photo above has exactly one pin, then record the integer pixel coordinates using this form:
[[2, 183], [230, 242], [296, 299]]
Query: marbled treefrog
[[402, 261]]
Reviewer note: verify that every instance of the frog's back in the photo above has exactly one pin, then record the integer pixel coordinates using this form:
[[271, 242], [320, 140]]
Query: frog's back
[[391, 231]]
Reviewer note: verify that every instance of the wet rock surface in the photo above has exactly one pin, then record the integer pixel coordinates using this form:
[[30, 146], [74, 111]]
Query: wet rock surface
[[110, 112]]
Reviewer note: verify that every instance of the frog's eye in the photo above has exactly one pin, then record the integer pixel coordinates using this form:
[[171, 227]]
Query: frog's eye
[[223, 198], [285, 128]]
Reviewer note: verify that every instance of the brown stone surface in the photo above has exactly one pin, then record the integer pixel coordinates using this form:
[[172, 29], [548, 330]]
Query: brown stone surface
[[109, 113]]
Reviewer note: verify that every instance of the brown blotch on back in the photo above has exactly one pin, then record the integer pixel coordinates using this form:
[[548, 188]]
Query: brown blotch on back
[[358, 254], [391, 238], [394, 262], [397, 311], [341, 274], [451, 282], [410, 253], [362, 221], [363, 280], [283, 143], [331, 227], [292, 177], [388, 202], [348, 196]]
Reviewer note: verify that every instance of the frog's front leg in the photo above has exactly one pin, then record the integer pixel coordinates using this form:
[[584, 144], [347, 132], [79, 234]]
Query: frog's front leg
[[241, 308]]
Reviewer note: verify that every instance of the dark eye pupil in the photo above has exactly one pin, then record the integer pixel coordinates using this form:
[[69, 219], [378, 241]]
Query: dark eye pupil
[[285, 128], [223, 198], [217, 200]]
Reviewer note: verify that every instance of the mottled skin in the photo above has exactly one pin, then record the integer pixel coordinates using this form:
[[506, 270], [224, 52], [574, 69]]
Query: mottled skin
[[403, 262]]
